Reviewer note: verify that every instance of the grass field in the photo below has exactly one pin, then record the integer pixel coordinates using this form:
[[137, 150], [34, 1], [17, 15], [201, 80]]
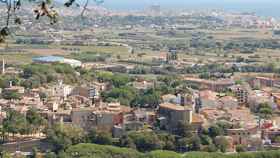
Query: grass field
[[43, 50]]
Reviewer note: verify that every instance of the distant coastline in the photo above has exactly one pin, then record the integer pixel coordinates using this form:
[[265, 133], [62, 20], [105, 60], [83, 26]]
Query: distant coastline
[[260, 7]]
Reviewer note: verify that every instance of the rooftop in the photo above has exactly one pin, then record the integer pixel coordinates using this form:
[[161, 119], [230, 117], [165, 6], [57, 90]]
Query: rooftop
[[207, 94], [173, 107], [216, 82], [48, 59]]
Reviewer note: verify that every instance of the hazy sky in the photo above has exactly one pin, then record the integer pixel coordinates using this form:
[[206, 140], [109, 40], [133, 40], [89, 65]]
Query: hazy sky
[[262, 7]]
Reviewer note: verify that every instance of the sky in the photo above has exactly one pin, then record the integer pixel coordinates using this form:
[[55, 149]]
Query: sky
[[261, 7]]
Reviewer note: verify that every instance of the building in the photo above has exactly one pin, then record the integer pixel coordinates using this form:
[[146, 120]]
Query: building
[[260, 82], [16, 89], [186, 100], [169, 98], [243, 135], [142, 85], [217, 85], [212, 115], [271, 133], [61, 90], [171, 56], [258, 97], [241, 94], [83, 91], [154, 10], [228, 102], [208, 99], [57, 59], [230, 144], [276, 99], [171, 115], [100, 118]]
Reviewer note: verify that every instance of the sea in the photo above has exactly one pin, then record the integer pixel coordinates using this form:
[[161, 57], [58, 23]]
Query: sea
[[265, 8]]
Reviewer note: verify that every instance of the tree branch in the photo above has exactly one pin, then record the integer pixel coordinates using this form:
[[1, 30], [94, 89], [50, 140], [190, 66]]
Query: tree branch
[[84, 8], [9, 7]]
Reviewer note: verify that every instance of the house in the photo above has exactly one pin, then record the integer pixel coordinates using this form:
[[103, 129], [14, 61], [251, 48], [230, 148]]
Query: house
[[142, 85], [61, 116], [271, 133], [90, 91], [16, 89], [171, 115], [186, 100], [230, 146], [276, 99], [77, 101], [260, 82], [241, 116], [208, 99], [243, 135], [217, 85], [61, 90], [168, 98], [212, 115], [141, 115], [228, 102], [34, 102], [241, 93], [101, 118], [258, 97]]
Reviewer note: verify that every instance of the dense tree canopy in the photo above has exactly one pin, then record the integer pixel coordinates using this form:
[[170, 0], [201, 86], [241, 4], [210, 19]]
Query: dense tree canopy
[[88, 150], [63, 136]]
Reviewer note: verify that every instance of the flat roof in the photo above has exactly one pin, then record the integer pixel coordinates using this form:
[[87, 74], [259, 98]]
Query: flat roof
[[48, 59]]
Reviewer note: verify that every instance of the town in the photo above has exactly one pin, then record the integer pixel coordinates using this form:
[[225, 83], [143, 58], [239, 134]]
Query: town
[[180, 82]]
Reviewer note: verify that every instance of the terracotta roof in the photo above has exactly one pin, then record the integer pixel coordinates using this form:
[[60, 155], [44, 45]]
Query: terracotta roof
[[168, 96], [197, 119], [207, 94], [216, 82], [173, 107], [228, 98]]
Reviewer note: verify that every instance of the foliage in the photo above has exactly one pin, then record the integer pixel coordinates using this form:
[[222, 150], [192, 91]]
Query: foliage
[[124, 94], [240, 148], [168, 141], [222, 143], [50, 155], [99, 151], [90, 56], [44, 8], [145, 140], [149, 98], [101, 138], [15, 123], [214, 131], [6, 79], [35, 121], [10, 95], [140, 70], [36, 75], [63, 136], [163, 154], [104, 151], [118, 80], [184, 130], [264, 110], [126, 141]]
